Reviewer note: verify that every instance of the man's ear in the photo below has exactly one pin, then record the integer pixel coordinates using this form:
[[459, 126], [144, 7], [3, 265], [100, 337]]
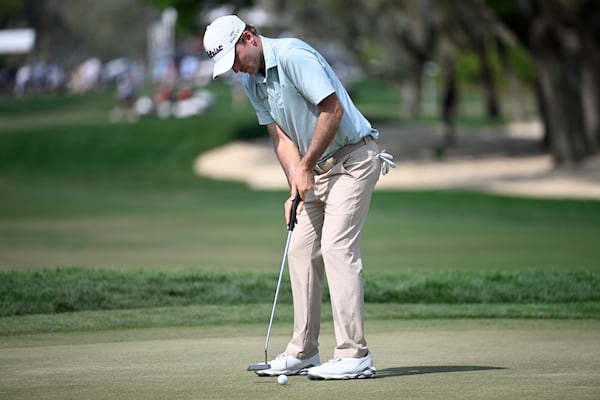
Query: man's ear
[[247, 36]]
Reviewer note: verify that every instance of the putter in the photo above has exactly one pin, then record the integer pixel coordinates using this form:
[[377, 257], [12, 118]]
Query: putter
[[266, 365]]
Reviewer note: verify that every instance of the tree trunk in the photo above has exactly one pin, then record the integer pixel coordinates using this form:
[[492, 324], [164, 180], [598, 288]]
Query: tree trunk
[[544, 115], [590, 93], [590, 90], [515, 94], [560, 88], [417, 78], [449, 101], [562, 38], [492, 107]]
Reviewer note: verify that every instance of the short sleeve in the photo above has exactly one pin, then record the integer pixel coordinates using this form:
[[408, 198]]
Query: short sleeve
[[308, 73]]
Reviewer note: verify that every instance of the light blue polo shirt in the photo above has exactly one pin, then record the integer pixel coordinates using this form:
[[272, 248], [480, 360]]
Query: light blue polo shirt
[[297, 79]]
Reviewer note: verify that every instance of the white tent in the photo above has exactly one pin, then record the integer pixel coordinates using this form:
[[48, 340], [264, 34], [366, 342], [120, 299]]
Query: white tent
[[16, 41]]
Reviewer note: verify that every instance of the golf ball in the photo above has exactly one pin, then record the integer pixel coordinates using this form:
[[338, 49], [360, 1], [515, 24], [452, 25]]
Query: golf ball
[[282, 379]]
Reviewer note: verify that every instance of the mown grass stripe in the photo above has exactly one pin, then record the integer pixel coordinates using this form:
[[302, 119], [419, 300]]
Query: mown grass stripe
[[217, 315]]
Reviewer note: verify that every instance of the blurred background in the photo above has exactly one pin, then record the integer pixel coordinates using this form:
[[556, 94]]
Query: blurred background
[[98, 99], [494, 60], [112, 132]]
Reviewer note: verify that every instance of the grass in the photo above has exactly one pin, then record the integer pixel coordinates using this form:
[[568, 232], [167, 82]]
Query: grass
[[239, 316], [423, 359], [208, 225], [71, 137], [105, 226], [53, 291]]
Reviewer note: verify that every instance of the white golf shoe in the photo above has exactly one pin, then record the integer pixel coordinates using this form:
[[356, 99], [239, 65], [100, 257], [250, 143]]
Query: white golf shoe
[[344, 368], [284, 364]]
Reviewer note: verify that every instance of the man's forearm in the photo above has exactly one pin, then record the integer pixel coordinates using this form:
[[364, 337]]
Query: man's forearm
[[285, 149], [330, 115]]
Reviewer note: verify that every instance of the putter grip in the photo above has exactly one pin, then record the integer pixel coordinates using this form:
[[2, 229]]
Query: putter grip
[[293, 211]]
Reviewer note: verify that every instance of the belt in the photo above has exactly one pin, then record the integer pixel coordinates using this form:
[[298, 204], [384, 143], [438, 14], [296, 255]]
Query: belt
[[325, 166]]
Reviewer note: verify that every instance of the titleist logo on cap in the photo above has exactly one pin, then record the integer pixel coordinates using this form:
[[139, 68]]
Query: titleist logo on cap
[[215, 51]]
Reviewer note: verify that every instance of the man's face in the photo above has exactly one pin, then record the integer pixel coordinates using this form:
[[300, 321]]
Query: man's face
[[247, 56]]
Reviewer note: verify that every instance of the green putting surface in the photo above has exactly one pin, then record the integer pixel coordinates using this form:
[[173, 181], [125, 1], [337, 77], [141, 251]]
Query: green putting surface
[[416, 359]]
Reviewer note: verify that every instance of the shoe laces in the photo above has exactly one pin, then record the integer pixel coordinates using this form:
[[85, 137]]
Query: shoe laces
[[282, 355], [334, 360]]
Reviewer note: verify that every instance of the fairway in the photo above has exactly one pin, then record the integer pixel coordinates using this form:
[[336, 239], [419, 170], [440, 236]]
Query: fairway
[[131, 226], [419, 359]]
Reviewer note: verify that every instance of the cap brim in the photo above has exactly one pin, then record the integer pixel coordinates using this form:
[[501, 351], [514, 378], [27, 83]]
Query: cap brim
[[225, 63]]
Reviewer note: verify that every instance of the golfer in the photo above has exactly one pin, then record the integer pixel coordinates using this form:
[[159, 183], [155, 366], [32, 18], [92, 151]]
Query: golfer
[[328, 154]]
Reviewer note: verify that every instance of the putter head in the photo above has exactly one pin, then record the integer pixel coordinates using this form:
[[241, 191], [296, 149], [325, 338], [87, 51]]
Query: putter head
[[259, 367]]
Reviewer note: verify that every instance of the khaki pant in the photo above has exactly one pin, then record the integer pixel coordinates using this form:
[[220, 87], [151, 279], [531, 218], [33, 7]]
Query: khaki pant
[[326, 240]]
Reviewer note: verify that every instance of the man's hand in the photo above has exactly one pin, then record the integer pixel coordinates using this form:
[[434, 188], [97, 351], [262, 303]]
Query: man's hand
[[303, 180], [288, 208], [330, 115]]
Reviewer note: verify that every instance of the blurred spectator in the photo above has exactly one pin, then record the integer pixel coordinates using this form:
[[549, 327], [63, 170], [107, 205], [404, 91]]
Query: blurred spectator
[[22, 80], [188, 68], [55, 78], [185, 92], [163, 98], [125, 100], [38, 77], [86, 76]]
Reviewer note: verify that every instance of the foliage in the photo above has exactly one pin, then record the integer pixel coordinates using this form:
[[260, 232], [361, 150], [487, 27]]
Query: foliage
[[68, 32], [523, 65], [188, 11]]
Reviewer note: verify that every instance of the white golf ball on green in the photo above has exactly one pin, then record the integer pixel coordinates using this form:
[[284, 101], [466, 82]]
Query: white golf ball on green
[[282, 379]]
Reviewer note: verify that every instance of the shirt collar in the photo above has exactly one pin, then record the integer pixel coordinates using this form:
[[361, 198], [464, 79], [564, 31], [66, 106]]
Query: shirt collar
[[269, 54]]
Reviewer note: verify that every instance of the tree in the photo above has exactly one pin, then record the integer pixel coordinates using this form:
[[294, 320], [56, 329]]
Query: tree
[[68, 32], [471, 26], [189, 10], [415, 26], [401, 34], [563, 38]]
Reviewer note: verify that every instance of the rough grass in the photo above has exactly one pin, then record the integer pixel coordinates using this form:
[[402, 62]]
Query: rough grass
[[50, 291]]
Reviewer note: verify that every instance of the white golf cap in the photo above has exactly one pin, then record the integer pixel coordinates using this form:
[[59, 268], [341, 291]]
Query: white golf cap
[[220, 39]]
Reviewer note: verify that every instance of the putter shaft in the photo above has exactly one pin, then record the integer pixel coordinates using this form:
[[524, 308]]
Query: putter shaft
[[287, 246], [291, 225]]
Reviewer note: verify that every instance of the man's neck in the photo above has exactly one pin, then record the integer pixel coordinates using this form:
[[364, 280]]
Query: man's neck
[[262, 69]]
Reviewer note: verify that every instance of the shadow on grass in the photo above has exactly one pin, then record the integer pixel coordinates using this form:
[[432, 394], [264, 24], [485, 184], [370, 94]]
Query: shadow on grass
[[418, 370], [430, 369]]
